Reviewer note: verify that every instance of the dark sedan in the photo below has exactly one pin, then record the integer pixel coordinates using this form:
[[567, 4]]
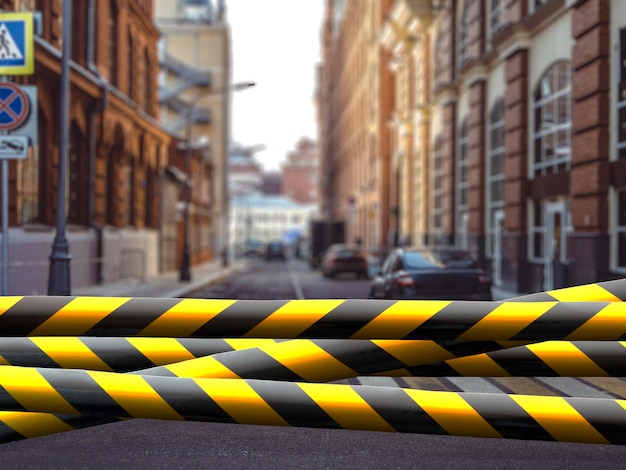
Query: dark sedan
[[441, 273], [341, 258]]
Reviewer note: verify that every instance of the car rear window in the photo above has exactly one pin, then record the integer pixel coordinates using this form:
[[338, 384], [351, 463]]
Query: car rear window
[[438, 259]]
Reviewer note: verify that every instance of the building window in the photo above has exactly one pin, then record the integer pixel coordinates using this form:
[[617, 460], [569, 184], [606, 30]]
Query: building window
[[439, 53], [552, 119], [113, 33], [538, 231], [621, 97], [147, 85], [463, 37], [496, 17], [620, 229], [495, 179], [130, 68], [536, 4], [436, 223], [462, 185]]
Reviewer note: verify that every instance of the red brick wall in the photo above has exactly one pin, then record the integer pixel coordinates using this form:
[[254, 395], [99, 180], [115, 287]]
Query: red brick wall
[[516, 135], [589, 179]]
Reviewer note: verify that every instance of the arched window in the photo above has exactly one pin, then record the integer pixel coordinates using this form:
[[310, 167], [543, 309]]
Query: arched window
[[462, 185], [552, 121]]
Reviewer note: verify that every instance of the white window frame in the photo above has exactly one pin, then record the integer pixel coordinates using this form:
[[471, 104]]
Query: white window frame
[[495, 17], [462, 183], [436, 229], [615, 229], [492, 153], [550, 98]]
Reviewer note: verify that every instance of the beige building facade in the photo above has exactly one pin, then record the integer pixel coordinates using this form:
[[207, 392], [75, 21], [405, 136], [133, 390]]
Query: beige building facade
[[195, 60]]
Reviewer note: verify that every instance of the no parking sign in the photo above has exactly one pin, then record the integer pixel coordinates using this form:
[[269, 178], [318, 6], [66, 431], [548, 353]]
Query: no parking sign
[[14, 106]]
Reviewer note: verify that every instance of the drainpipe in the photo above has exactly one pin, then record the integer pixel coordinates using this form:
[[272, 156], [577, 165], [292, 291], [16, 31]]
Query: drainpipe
[[92, 141]]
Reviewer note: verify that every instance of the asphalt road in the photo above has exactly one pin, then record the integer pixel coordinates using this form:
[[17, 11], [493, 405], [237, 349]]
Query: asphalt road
[[192, 445]]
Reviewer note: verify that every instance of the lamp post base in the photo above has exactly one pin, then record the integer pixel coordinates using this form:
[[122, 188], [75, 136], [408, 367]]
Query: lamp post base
[[185, 273], [59, 274]]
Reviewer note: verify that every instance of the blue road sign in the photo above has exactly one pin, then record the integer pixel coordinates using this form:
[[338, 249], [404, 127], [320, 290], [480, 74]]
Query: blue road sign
[[14, 106], [16, 44]]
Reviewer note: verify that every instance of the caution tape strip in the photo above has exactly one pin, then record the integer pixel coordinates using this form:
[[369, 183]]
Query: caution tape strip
[[548, 359], [263, 402], [339, 319], [114, 353], [20, 425]]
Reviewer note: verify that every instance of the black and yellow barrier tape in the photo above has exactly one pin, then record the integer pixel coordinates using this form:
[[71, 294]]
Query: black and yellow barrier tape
[[262, 402], [17, 425], [339, 319], [114, 354], [547, 359]]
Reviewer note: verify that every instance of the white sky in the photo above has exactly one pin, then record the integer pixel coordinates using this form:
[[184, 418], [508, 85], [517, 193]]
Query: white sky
[[276, 44]]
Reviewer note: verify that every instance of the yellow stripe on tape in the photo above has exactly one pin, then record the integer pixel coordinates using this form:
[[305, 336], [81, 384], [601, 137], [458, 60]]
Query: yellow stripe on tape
[[70, 353], [291, 319], [185, 317], [206, 366], [135, 395], [506, 320], [414, 352], [241, 402], [34, 424], [7, 302], [586, 293], [309, 361], [559, 418], [346, 407], [608, 324], [479, 365], [566, 359], [161, 351], [79, 315], [32, 391], [453, 413], [400, 319]]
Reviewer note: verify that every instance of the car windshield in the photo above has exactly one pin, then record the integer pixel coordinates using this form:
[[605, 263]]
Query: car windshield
[[448, 259]]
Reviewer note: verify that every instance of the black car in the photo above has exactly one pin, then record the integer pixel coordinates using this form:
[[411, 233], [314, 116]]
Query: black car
[[275, 250], [439, 273], [343, 258]]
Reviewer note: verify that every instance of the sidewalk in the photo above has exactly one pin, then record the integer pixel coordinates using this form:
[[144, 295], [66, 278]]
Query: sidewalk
[[165, 285]]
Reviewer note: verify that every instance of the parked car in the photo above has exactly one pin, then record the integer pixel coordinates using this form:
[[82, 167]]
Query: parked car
[[275, 250], [343, 258], [439, 273]]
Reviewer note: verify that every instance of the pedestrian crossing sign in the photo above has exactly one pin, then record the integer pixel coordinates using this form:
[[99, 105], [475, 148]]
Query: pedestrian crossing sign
[[16, 44]]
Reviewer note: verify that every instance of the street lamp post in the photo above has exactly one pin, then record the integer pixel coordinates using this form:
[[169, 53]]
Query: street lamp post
[[59, 273], [185, 269]]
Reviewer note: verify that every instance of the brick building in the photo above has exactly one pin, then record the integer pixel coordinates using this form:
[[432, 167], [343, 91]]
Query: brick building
[[354, 104], [299, 172], [119, 194], [506, 131]]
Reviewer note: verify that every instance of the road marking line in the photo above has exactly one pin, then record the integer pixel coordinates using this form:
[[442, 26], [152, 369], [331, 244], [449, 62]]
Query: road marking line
[[296, 284]]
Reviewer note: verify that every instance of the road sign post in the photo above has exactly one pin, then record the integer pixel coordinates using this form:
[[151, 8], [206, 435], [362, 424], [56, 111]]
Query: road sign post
[[17, 57]]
